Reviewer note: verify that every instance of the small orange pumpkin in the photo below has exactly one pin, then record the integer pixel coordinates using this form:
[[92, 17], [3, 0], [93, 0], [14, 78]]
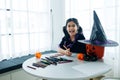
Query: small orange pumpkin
[[80, 56], [38, 55]]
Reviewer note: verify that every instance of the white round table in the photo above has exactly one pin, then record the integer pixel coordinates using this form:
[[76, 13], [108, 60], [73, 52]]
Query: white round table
[[76, 70]]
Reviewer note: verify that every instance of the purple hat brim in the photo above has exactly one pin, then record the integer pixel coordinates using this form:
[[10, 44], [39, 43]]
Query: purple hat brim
[[108, 43]]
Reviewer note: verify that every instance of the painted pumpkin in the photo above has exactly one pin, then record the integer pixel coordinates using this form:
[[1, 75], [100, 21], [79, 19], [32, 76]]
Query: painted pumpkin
[[95, 50]]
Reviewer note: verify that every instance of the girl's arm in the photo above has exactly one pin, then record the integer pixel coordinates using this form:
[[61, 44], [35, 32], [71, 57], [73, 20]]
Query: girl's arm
[[65, 52]]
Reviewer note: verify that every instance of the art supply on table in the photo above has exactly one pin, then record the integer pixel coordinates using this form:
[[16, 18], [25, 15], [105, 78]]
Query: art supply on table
[[31, 67], [57, 55], [39, 64], [44, 62]]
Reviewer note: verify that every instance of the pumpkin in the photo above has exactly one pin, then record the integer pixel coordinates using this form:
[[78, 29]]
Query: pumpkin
[[95, 50]]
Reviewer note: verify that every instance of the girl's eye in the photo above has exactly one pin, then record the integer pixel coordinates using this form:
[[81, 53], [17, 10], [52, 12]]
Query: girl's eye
[[73, 25], [68, 25]]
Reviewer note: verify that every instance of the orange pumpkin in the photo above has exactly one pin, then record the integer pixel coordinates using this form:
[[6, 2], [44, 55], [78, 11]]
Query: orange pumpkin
[[95, 50], [38, 55], [80, 56]]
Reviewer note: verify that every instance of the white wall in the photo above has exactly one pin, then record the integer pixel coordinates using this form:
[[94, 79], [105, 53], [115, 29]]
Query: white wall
[[58, 22]]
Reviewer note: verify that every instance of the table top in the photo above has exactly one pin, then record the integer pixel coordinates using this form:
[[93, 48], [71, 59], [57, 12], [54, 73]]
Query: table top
[[75, 70]]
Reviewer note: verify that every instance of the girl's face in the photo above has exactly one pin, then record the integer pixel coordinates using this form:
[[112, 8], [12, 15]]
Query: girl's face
[[71, 28]]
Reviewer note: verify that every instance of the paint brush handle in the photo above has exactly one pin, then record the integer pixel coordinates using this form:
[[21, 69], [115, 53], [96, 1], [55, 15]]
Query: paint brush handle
[[65, 47]]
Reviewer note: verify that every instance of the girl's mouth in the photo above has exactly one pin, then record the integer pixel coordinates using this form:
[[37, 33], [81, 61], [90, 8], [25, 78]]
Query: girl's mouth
[[72, 31]]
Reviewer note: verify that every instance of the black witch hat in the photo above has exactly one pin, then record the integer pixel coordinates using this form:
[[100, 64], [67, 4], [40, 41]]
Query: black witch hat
[[98, 36]]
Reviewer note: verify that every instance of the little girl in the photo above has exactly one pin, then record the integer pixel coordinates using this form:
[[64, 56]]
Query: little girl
[[73, 33]]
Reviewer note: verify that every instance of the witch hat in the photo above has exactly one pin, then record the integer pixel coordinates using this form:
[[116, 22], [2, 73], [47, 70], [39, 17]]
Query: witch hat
[[98, 36]]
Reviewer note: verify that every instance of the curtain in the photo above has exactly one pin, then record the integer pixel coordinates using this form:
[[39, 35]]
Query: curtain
[[24, 27]]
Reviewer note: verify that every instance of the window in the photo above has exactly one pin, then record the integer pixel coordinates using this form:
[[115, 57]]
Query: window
[[24, 27]]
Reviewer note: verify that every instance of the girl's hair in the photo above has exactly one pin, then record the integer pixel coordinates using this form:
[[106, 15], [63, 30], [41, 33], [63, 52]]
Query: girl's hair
[[76, 22]]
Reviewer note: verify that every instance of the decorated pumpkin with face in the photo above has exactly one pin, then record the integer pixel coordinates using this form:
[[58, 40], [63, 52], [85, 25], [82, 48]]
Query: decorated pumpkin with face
[[95, 50]]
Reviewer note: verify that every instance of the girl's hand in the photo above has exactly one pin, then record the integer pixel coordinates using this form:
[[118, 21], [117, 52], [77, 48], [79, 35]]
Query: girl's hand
[[67, 52]]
